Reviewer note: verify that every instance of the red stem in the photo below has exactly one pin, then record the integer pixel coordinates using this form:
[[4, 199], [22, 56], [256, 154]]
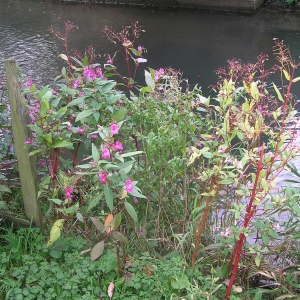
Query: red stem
[[236, 254]]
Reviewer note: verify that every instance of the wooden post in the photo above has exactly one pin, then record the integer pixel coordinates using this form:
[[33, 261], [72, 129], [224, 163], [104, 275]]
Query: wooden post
[[21, 133]]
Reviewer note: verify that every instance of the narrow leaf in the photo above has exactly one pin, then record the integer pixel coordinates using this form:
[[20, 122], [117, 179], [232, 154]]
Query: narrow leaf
[[108, 197]]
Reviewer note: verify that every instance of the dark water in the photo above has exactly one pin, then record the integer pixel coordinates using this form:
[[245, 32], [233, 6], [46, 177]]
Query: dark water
[[195, 42]]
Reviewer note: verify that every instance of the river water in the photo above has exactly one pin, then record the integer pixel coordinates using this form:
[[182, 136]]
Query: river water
[[194, 42]]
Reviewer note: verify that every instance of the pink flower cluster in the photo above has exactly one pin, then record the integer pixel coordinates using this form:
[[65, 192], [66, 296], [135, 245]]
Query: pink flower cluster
[[68, 192], [159, 73], [128, 185], [91, 73], [103, 177]]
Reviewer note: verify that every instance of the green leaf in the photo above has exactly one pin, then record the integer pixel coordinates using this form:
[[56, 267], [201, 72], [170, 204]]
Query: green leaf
[[35, 152], [120, 237], [38, 130], [226, 181], [273, 234], [94, 202], [146, 89], [84, 114], [118, 115], [130, 209], [97, 250], [108, 86], [48, 137], [208, 154], [77, 101], [149, 81], [257, 260], [108, 197], [131, 153], [99, 225], [265, 238], [117, 220], [61, 144], [136, 193], [3, 188], [95, 153]]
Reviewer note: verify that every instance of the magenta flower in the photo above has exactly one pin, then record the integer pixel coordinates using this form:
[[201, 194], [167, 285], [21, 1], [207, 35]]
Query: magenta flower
[[29, 83], [80, 130], [114, 129], [99, 72], [128, 185], [221, 150], [105, 153], [135, 200], [103, 177], [239, 165], [54, 92], [119, 146], [76, 84], [161, 71], [156, 76], [69, 127], [140, 48], [69, 192], [94, 136], [28, 142]]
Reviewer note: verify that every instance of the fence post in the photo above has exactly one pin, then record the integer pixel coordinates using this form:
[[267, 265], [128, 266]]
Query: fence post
[[21, 132]]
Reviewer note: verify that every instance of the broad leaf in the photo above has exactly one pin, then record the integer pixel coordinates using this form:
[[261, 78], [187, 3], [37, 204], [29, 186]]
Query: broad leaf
[[130, 209], [108, 197], [97, 250]]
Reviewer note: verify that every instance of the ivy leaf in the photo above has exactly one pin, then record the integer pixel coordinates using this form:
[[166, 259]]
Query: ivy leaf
[[97, 250]]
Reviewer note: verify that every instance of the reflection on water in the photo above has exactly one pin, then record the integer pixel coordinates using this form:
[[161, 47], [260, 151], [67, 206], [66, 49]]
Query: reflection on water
[[195, 42]]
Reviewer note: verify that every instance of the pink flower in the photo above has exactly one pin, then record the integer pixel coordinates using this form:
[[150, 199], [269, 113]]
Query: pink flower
[[228, 160], [94, 136], [226, 233], [69, 192], [28, 142], [128, 185], [99, 72], [54, 92], [103, 177], [69, 127], [76, 84], [105, 153], [80, 130], [135, 200], [161, 71], [239, 165], [221, 150], [119, 146], [114, 129], [140, 48], [29, 83], [156, 76]]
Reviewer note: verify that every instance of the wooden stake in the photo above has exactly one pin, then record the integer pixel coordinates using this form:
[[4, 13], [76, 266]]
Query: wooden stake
[[21, 133]]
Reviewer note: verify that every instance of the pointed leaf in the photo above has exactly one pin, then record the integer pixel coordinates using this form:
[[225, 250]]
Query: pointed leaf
[[95, 153], [108, 197], [55, 231], [120, 237], [278, 92], [99, 225], [149, 81], [84, 114], [130, 209], [97, 250], [108, 224]]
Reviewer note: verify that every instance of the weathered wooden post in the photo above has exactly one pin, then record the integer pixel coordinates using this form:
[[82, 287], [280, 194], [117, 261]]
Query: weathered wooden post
[[21, 133]]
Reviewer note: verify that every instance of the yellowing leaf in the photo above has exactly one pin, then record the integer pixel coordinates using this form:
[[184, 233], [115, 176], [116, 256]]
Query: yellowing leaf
[[124, 194], [55, 231], [296, 79], [108, 223], [63, 56], [286, 75]]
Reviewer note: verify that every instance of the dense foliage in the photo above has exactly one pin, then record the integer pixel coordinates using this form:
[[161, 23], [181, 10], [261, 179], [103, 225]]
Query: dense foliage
[[174, 193]]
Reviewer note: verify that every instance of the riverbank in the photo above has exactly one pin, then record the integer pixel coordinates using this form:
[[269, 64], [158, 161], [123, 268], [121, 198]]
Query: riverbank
[[216, 5]]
